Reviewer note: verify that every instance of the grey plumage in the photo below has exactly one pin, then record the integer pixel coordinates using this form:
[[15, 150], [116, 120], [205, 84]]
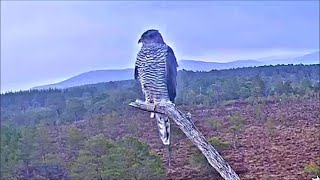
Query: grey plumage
[[156, 70]]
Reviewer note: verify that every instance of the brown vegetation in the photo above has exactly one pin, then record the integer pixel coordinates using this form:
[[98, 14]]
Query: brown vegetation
[[294, 145]]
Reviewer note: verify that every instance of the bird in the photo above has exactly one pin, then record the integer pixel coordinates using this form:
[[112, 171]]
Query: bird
[[156, 70]]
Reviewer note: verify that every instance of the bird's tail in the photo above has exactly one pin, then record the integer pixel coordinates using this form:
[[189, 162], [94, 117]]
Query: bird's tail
[[164, 132]]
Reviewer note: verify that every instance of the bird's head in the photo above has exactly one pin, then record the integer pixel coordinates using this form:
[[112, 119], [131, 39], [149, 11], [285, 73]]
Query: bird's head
[[151, 36]]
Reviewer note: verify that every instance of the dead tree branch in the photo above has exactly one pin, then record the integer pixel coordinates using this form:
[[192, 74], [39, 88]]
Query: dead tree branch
[[191, 131]]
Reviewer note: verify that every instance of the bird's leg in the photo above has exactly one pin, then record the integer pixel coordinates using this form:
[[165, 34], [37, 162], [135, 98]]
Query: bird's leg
[[154, 109], [164, 101], [161, 102], [149, 100]]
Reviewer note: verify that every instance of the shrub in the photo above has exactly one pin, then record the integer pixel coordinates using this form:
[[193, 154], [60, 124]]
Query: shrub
[[199, 160], [133, 159], [128, 159], [215, 123], [236, 122], [312, 169], [271, 127]]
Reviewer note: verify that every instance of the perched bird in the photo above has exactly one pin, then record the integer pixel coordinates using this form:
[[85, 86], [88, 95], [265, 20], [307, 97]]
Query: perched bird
[[156, 70]]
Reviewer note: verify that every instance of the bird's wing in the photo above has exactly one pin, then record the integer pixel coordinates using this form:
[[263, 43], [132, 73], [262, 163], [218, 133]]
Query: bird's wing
[[136, 72], [171, 74]]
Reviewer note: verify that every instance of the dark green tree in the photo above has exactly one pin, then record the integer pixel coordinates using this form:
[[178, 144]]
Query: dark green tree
[[133, 159], [10, 152], [56, 101], [90, 162], [75, 108]]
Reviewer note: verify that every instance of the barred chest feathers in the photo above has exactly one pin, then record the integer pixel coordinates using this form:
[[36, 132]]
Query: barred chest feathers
[[151, 61]]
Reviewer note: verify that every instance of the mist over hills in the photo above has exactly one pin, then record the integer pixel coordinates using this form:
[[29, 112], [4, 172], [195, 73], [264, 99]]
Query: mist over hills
[[312, 58], [92, 77], [208, 66], [98, 76]]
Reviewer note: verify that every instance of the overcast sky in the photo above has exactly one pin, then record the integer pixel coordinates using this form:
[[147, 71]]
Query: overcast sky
[[45, 41]]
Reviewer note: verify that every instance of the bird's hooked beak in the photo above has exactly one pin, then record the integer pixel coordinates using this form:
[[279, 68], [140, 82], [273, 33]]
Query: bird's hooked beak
[[139, 41]]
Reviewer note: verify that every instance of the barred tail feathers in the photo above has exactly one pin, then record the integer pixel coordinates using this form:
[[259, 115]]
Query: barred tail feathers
[[164, 128]]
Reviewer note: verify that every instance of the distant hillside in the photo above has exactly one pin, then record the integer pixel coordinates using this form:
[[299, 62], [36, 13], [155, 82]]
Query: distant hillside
[[208, 66], [312, 58], [99, 76], [92, 77]]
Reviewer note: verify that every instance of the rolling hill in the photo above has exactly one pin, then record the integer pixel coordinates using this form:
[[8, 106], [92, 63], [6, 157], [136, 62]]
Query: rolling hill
[[312, 58], [92, 77], [208, 66], [98, 76]]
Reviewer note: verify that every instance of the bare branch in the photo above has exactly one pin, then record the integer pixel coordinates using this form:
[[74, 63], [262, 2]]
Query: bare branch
[[191, 131]]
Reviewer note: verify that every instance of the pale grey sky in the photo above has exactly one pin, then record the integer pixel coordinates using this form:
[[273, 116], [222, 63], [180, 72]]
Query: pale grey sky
[[47, 41]]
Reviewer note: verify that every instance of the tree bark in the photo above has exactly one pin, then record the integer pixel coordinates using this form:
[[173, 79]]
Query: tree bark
[[187, 126]]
